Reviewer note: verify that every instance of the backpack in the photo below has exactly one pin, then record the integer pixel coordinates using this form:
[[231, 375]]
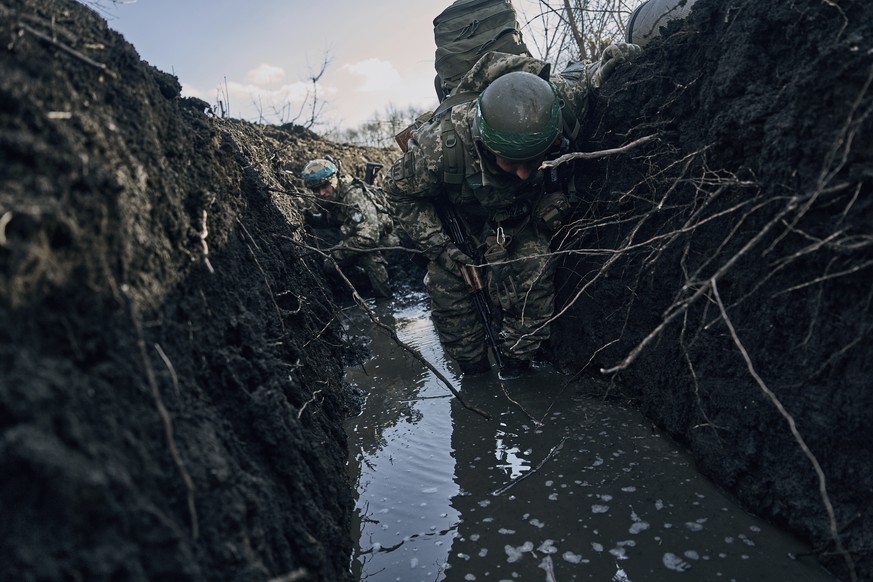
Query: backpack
[[465, 31]]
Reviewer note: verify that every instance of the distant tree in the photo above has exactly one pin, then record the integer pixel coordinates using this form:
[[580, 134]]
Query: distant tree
[[381, 129], [561, 31]]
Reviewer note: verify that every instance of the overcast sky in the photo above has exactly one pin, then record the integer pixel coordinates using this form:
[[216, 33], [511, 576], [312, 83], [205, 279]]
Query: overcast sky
[[262, 52]]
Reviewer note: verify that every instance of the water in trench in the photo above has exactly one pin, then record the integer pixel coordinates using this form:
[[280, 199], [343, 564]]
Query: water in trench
[[553, 487]]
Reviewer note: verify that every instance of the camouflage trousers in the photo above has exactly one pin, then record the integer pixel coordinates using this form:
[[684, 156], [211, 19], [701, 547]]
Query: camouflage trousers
[[521, 284], [373, 263]]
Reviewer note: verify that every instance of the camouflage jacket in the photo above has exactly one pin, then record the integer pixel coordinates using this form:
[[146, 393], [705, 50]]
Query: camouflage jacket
[[416, 179], [362, 218]]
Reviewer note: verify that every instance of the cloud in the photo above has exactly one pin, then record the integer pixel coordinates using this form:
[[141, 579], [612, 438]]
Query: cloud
[[265, 74], [376, 75]]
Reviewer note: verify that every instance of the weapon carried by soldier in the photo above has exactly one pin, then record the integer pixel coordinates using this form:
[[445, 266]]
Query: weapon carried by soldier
[[471, 273]]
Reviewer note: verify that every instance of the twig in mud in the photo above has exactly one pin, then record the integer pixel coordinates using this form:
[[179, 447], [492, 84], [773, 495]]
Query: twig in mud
[[172, 370], [204, 232], [594, 155], [524, 476], [167, 421], [393, 335], [697, 398], [528, 414], [67, 49], [682, 306], [305, 404], [263, 274], [320, 332], [4, 220], [822, 486]]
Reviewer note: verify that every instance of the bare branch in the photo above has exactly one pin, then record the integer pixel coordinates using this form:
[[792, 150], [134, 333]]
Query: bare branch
[[822, 485]]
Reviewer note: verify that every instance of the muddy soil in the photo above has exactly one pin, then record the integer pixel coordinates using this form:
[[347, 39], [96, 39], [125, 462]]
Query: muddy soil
[[171, 358], [735, 248], [170, 397]]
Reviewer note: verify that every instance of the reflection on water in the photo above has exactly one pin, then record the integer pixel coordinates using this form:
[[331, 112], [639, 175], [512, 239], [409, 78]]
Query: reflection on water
[[553, 487]]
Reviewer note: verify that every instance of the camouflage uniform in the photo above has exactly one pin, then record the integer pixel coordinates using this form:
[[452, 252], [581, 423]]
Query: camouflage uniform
[[364, 223], [522, 282]]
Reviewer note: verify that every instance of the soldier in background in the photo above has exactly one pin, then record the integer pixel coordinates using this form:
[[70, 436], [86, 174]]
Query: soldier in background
[[355, 208]]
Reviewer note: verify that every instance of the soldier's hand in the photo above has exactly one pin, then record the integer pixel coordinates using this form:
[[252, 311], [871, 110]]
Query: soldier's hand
[[613, 56], [452, 257], [313, 217]]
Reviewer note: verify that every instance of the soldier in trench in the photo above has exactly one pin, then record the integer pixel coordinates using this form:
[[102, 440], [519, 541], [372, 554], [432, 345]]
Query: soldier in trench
[[481, 157], [364, 224]]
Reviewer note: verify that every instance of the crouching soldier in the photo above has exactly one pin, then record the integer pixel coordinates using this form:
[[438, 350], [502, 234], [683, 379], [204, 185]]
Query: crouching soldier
[[480, 158], [363, 221]]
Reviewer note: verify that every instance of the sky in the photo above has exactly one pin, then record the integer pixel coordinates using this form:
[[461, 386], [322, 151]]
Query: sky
[[257, 56]]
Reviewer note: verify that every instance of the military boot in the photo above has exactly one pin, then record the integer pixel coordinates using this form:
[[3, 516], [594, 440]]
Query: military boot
[[379, 281], [476, 367], [513, 367]]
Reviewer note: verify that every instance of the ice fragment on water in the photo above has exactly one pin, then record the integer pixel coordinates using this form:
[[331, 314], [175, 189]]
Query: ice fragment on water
[[548, 547], [673, 562], [599, 508], [515, 554]]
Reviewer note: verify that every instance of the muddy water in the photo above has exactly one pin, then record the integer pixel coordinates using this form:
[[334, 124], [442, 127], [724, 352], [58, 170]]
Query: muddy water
[[552, 487]]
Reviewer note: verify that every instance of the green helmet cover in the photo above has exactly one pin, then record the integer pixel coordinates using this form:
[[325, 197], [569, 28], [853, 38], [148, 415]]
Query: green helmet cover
[[518, 116]]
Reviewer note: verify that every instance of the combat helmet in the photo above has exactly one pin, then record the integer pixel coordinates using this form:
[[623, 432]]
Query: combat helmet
[[320, 172], [518, 116]]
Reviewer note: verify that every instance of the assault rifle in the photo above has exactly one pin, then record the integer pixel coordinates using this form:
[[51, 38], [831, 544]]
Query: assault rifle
[[472, 277]]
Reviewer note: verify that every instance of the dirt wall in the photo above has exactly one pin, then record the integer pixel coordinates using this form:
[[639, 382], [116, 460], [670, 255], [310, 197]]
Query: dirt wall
[[170, 360], [720, 273]]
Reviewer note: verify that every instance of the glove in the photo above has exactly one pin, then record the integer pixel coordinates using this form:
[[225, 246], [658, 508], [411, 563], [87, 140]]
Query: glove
[[451, 257], [613, 56], [313, 218]]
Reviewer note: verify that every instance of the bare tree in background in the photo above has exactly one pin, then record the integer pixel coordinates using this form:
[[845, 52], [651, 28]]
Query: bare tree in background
[[562, 31], [316, 106], [381, 129]]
